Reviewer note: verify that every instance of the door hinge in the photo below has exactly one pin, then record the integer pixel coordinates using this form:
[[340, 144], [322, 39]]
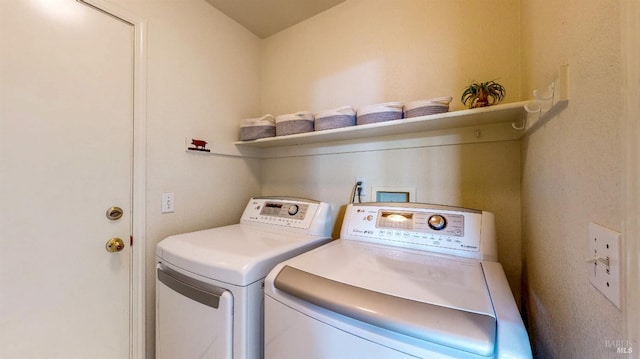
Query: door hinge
[[131, 241]]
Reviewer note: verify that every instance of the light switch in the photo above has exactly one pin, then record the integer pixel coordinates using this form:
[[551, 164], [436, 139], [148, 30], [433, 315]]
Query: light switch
[[604, 261]]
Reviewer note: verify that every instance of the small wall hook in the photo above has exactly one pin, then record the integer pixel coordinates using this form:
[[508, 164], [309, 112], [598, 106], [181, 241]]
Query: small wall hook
[[519, 127], [532, 108], [546, 103], [548, 95]]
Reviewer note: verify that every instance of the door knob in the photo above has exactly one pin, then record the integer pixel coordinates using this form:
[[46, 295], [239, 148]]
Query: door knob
[[115, 245]]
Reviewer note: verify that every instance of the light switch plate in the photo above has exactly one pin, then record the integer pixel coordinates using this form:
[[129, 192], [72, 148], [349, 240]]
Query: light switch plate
[[604, 244]]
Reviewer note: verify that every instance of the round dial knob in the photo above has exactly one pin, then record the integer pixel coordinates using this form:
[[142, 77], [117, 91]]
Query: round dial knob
[[437, 222], [293, 209]]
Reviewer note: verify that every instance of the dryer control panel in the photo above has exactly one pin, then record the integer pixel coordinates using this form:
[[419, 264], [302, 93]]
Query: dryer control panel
[[290, 212], [275, 209], [444, 229]]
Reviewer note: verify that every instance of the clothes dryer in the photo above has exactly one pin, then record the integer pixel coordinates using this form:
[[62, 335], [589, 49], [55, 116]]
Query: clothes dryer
[[405, 280], [209, 288]]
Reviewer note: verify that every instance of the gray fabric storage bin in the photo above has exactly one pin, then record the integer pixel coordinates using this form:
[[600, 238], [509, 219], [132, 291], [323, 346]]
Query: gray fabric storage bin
[[427, 107], [379, 113], [299, 122], [256, 128], [341, 117]]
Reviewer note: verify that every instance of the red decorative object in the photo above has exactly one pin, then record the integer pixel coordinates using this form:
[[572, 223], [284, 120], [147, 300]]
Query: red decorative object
[[199, 145]]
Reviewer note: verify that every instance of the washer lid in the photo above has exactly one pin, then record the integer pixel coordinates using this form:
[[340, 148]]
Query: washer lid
[[238, 254], [440, 299]]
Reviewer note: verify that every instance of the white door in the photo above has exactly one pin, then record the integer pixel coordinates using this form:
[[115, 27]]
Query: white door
[[66, 120]]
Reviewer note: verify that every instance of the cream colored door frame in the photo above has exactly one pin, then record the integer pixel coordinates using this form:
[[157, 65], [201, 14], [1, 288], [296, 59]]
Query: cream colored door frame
[[137, 310]]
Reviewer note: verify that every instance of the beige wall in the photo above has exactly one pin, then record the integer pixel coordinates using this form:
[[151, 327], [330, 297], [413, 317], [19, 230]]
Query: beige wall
[[630, 26], [369, 51], [571, 175], [203, 75], [485, 176]]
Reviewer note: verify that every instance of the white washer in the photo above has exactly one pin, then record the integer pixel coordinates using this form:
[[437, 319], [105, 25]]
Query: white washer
[[209, 288], [405, 280]]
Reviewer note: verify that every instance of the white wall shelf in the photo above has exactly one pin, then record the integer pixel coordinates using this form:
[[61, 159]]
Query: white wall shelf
[[485, 124], [503, 122], [510, 112]]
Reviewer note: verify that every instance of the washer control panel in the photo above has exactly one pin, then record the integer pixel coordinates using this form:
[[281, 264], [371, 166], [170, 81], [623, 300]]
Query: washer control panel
[[425, 222], [288, 212], [437, 228]]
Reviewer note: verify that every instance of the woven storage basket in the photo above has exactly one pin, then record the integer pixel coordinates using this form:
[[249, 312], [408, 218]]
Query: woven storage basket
[[293, 123], [379, 113], [255, 128], [427, 107], [340, 117]]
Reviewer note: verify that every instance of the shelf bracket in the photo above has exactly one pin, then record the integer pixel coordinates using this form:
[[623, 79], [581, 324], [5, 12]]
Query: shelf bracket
[[547, 103]]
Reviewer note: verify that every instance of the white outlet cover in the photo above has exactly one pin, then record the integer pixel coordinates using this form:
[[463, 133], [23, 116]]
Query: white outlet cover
[[168, 202], [605, 243]]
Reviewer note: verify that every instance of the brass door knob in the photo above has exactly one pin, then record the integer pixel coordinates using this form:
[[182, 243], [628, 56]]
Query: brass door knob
[[115, 245]]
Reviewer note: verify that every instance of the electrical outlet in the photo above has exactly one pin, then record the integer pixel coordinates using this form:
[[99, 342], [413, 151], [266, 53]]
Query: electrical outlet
[[363, 192], [604, 269], [168, 202]]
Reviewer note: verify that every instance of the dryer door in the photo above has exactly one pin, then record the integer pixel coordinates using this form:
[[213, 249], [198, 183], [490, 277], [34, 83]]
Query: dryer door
[[193, 319]]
